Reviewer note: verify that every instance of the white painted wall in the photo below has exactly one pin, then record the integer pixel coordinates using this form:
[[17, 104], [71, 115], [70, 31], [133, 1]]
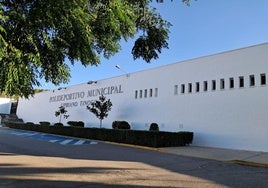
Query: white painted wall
[[228, 118], [5, 105]]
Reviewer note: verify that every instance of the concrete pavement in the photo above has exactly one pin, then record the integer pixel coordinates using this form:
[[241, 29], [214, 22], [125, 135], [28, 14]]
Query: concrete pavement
[[31, 162], [252, 158], [244, 157]]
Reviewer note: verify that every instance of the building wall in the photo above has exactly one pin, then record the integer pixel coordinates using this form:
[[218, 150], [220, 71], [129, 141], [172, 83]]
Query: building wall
[[219, 115]]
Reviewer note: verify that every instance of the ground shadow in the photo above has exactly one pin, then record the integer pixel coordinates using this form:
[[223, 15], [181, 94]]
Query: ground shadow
[[227, 174]]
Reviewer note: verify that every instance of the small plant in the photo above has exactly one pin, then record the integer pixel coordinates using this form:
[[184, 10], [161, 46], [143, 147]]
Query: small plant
[[44, 123], [30, 123], [71, 123], [115, 125], [80, 124], [120, 125], [58, 124], [100, 108], [60, 112], [154, 127], [76, 123]]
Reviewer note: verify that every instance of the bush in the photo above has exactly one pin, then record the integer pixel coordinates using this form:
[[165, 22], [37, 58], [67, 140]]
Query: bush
[[71, 123], [80, 124], [154, 127], [44, 123], [30, 123], [135, 137], [114, 124], [120, 125], [76, 123], [58, 124]]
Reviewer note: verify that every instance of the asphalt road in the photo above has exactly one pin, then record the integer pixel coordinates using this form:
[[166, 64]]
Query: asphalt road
[[32, 161]]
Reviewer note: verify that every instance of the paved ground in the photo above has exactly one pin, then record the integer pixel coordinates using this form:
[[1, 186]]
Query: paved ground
[[50, 138], [27, 161], [252, 158]]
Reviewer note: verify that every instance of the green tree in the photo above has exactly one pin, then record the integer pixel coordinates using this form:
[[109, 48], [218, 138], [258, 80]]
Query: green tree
[[36, 37], [61, 112], [100, 108]]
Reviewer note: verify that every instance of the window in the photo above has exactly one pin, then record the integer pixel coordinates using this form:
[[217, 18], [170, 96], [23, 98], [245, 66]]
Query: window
[[251, 80], [151, 93], [205, 86], [136, 94], [222, 84], [213, 85], [241, 81], [140, 93], [182, 88], [189, 88], [155, 92], [231, 82], [176, 90], [197, 87], [263, 79], [145, 93]]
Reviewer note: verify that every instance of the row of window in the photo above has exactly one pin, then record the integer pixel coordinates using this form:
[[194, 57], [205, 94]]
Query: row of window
[[146, 93], [223, 84], [204, 86]]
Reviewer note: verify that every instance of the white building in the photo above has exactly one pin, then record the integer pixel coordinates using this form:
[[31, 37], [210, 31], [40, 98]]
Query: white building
[[222, 98]]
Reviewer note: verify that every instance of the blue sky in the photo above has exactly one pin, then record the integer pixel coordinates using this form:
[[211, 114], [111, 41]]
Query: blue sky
[[204, 28]]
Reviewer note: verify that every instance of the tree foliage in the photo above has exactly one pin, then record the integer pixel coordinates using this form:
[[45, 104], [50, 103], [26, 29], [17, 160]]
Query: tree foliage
[[61, 112], [36, 37], [100, 108]]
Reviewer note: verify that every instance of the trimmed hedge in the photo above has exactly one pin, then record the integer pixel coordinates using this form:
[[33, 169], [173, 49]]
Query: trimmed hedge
[[154, 127], [76, 123], [58, 124], [120, 125], [44, 123], [143, 138]]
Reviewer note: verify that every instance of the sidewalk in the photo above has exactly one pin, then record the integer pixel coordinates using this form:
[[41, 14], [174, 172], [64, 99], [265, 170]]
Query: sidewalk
[[252, 158]]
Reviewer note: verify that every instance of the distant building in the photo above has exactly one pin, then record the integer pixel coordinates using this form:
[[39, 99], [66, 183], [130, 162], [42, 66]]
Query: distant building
[[222, 98]]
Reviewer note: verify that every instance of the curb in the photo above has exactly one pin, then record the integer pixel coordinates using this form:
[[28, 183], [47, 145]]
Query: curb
[[241, 162], [132, 146], [249, 163]]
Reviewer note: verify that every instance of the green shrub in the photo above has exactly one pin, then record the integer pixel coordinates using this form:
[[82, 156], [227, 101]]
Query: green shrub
[[80, 124], [44, 123], [30, 123], [114, 124], [120, 125], [58, 124], [71, 123], [135, 137], [76, 123], [154, 127]]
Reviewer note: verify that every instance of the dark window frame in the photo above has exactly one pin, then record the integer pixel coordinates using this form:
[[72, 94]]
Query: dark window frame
[[222, 83], [213, 85], [241, 82], [263, 79], [251, 80], [231, 83], [205, 85], [190, 88], [182, 88]]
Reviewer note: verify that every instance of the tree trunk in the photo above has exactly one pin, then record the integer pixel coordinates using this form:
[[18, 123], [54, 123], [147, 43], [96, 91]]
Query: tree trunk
[[100, 123]]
